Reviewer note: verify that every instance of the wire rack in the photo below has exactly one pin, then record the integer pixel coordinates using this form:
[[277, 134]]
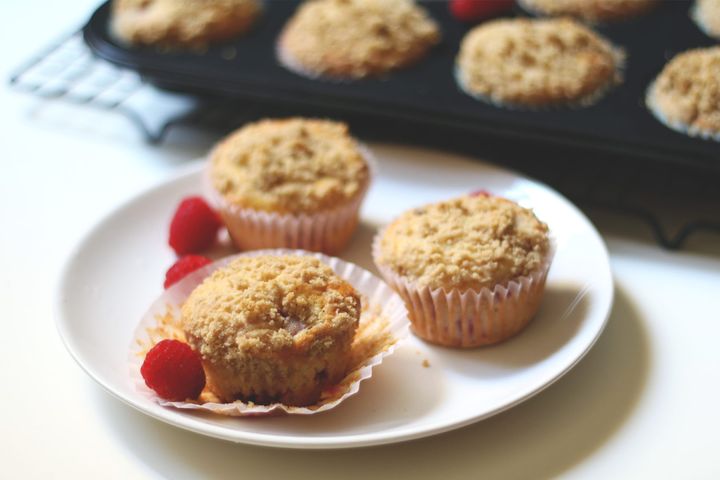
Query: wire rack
[[675, 203]]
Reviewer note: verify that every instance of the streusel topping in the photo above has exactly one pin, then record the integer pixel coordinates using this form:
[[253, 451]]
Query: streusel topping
[[470, 242], [289, 166], [266, 305], [182, 22], [355, 38], [536, 62], [688, 90]]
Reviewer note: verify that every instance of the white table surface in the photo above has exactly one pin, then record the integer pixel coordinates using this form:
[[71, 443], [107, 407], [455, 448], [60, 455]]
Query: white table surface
[[642, 404]]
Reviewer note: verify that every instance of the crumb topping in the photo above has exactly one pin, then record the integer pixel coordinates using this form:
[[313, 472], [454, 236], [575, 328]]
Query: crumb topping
[[536, 62], [184, 22], [268, 305], [289, 166], [708, 15], [465, 243], [688, 89], [592, 10], [355, 38]]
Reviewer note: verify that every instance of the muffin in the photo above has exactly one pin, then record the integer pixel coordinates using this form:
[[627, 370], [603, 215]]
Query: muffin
[[589, 10], [356, 38], [471, 270], [707, 15], [295, 183], [272, 328], [182, 23], [527, 63], [686, 94]]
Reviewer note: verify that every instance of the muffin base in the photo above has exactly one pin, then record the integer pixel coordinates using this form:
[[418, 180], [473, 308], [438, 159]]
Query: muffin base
[[468, 319], [325, 231]]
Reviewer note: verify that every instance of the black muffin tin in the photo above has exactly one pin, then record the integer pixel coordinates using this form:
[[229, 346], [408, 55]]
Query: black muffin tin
[[427, 93]]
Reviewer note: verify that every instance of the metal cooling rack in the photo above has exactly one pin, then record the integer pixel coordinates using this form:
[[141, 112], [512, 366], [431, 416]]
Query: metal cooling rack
[[658, 195]]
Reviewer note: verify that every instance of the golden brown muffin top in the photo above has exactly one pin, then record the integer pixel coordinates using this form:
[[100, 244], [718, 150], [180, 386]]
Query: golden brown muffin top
[[470, 242], [356, 38], [289, 166], [182, 22], [707, 14], [536, 62], [591, 10], [266, 305], [688, 89]]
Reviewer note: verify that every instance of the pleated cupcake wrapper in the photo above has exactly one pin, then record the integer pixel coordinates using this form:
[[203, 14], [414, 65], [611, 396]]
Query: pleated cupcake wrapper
[[676, 125], [469, 318], [383, 321], [327, 231]]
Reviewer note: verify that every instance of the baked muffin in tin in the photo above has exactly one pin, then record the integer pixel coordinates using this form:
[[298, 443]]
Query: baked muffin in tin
[[182, 23], [686, 94], [535, 63], [590, 10], [350, 39]]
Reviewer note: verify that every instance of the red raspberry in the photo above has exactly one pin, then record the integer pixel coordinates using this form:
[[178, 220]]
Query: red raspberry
[[194, 226], [184, 266], [472, 10], [174, 371], [480, 193]]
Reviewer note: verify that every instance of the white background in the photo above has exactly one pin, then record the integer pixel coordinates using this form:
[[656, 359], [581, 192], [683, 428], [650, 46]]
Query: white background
[[642, 404]]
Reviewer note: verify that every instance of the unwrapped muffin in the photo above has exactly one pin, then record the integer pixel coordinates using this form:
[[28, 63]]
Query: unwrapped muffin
[[182, 23], [295, 183], [686, 94], [272, 328], [356, 38], [590, 10], [471, 270], [536, 63]]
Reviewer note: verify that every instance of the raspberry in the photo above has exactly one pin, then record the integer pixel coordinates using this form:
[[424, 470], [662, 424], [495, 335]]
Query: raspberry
[[480, 193], [174, 371], [194, 226], [184, 266], [471, 10]]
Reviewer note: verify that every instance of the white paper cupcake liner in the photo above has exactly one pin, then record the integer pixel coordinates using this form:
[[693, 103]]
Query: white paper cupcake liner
[[383, 324], [469, 318], [326, 231]]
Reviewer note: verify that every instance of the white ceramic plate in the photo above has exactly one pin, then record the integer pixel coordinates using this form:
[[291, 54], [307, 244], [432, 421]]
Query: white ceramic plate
[[118, 270]]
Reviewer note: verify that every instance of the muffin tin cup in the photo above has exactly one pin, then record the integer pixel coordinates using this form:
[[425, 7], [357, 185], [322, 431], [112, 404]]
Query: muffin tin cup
[[469, 318], [383, 325], [326, 231]]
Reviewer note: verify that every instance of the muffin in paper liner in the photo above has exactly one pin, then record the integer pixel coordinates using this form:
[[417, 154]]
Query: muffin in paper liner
[[383, 324], [619, 60], [324, 231], [469, 318]]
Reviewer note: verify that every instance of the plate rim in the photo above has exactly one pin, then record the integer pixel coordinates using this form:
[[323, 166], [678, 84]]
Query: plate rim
[[332, 442]]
